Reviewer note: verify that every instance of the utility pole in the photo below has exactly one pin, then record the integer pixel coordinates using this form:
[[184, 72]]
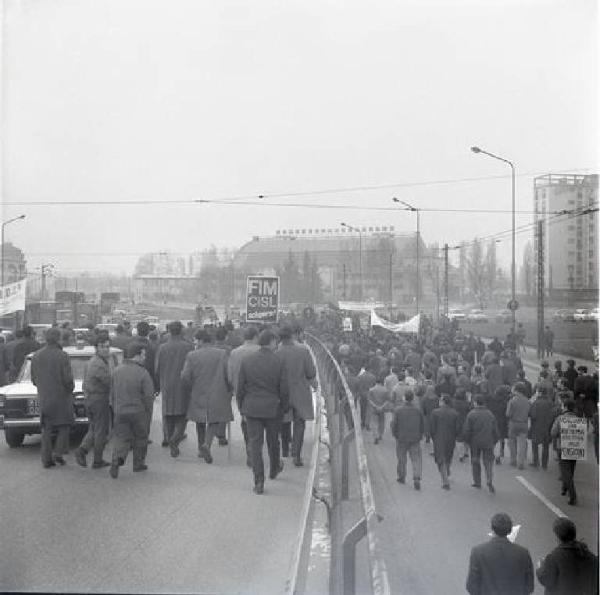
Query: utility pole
[[391, 289], [540, 288], [344, 281], [446, 280]]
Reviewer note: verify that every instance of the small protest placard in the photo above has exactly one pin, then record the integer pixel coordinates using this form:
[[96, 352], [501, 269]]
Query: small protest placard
[[573, 438]]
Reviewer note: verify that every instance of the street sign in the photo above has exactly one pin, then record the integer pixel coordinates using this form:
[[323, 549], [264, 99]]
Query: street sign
[[262, 299], [347, 322], [513, 305]]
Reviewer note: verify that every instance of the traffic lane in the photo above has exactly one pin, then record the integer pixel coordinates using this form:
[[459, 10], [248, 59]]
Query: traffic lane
[[182, 525], [427, 535]]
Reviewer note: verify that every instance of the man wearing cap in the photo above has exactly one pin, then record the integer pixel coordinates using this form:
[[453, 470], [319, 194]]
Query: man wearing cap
[[517, 413], [571, 374], [132, 397], [263, 398], [500, 567], [96, 388]]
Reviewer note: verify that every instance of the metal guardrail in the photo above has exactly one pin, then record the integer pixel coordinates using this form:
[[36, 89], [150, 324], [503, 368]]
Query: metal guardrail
[[343, 418]]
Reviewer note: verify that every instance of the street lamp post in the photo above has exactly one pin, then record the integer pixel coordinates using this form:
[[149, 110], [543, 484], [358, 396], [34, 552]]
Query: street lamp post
[[4, 224], [360, 269], [409, 207], [513, 275]]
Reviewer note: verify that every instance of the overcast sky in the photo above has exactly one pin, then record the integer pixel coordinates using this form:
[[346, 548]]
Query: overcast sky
[[122, 100]]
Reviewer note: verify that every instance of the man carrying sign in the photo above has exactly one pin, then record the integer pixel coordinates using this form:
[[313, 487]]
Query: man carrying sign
[[570, 447]]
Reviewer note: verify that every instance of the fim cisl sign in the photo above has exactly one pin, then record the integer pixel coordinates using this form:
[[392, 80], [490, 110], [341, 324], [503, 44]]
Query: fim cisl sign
[[262, 299]]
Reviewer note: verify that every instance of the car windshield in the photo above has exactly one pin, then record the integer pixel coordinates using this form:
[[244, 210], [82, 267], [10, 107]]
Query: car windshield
[[77, 365]]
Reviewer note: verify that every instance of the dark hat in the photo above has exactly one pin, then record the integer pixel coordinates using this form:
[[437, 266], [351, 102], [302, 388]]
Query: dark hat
[[545, 364], [519, 387]]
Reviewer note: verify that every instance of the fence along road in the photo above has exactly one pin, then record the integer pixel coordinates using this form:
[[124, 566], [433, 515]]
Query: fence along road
[[339, 403]]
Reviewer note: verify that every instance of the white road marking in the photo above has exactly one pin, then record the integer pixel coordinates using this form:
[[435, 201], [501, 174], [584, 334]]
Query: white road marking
[[557, 511]]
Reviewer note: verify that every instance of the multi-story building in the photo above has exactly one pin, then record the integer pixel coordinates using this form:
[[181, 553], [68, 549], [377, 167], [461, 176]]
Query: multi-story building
[[570, 238], [373, 264]]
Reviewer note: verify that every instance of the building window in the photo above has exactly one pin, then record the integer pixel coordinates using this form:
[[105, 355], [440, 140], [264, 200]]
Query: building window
[[571, 201], [571, 228], [579, 256], [570, 240], [591, 253], [571, 253]]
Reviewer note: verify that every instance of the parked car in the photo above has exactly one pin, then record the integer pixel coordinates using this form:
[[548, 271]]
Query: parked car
[[477, 316], [582, 315], [504, 316], [19, 403], [456, 314], [563, 316], [110, 327], [595, 314]]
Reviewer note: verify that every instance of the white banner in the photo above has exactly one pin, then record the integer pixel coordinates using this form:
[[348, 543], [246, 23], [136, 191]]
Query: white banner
[[12, 297], [573, 438], [360, 306], [410, 326]]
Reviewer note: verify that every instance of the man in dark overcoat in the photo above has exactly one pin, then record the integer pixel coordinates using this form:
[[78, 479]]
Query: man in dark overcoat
[[204, 377], [499, 566], [445, 427], [480, 432], [27, 344], [571, 567], [542, 413], [169, 364], [52, 375], [301, 376], [263, 398]]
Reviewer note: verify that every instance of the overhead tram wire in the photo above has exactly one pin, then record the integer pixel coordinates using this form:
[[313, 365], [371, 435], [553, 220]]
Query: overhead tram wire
[[253, 197]]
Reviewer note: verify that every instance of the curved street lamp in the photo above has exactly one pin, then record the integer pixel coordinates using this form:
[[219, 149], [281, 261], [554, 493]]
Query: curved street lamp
[[352, 228], [513, 270], [409, 207]]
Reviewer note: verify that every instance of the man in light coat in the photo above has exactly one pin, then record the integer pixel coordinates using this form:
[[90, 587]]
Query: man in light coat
[[250, 345], [500, 567], [96, 388], [132, 397], [52, 375], [301, 376], [169, 364], [204, 377], [517, 413]]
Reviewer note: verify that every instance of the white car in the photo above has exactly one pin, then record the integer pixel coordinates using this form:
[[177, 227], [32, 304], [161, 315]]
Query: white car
[[456, 314], [19, 402], [582, 315], [595, 314], [477, 316]]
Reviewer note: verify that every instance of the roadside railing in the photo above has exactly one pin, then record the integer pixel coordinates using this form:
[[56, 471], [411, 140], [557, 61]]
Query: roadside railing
[[347, 525]]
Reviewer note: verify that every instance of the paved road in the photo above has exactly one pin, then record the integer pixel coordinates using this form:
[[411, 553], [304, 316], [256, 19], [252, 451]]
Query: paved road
[[427, 535], [182, 526]]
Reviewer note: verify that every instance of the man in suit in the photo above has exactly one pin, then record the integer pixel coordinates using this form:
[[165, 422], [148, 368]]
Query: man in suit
[[500, 567], [262, 397]]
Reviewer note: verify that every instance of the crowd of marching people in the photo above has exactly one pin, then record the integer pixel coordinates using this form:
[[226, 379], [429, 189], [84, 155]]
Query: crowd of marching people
[[196, 371], [453, 389]]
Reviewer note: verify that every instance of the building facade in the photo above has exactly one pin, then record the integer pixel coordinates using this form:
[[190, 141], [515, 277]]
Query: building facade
[[373, 264], [567, 204]]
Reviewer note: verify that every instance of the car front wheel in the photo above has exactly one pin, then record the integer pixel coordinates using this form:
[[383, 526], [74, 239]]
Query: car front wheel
[[13, 437]]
